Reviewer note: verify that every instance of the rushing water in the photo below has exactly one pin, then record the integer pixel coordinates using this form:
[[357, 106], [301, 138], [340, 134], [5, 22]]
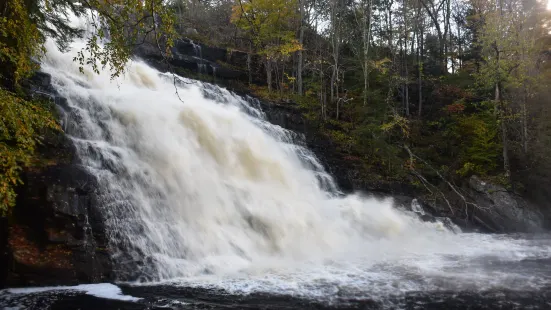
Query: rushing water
[[203, 194]]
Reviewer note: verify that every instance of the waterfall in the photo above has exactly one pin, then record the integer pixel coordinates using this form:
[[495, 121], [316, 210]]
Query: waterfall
[[197, 49], [194, 186], [205, 191], [201, 67]]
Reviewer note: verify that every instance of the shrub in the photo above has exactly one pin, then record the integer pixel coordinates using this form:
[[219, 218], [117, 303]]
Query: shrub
[[21, 125]]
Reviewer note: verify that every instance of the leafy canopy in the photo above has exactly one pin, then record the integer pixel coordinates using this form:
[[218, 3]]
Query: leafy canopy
[[269, 24]]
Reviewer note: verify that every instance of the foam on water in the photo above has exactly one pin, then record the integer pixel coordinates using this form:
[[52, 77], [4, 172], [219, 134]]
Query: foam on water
[[101, 290], [466, 262], [207, 193]]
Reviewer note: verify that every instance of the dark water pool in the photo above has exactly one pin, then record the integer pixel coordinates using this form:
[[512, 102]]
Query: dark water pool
[[167, 297]]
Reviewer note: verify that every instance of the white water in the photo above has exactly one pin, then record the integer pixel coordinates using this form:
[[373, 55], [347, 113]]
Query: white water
[[101, 290], [206, 193]]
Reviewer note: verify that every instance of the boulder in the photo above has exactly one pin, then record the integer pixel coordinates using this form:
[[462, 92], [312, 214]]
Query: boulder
[[502, 210]]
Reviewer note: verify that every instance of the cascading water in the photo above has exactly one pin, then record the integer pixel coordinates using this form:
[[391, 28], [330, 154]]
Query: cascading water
[[201, 67], [206, 184], [207, 193]]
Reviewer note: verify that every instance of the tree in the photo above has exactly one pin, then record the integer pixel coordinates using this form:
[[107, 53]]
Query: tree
[[300, 59], [508, 41], [433, 9], [363, 17], [269, 25]]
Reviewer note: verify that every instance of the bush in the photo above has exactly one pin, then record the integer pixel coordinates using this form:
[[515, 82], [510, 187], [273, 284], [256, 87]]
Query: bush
[[21, 127]]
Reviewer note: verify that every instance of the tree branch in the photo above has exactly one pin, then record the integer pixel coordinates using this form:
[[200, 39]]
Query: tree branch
[[451, 186]]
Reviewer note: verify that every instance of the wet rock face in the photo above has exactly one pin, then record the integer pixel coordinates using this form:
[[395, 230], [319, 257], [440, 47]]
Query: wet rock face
[[55, 233], [57, 236], [503, 210], [217, 62]]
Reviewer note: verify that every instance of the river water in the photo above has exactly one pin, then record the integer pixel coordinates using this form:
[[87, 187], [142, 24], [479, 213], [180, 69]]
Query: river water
[[208, 205]]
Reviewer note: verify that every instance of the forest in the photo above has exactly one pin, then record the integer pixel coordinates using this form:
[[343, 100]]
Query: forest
[[420, 92]]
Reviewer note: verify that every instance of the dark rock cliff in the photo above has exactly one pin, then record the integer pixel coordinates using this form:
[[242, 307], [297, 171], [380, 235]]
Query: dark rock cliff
[[55, 234], [502, 210], [222, 65]]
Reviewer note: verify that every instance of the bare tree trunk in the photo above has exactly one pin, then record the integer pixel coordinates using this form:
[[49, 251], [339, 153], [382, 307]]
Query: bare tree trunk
[[294, 88], [269, 73], [318, 52], [433, 14], [447, 35], [332, 85], [249, 61], [338, 103], [324, 97], [390, 26], [323, 93], [501, 105], [335, 44], [420, 38], [459, 52], [275, 72], [281, 77], [180, 16], [301, 41], [337, 91], [366, 34], [406, 88], [451, 48], [506, 166], [524, 122], [405, 55], [366, 82], [413, 40], [333, 22], [420, 82]]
